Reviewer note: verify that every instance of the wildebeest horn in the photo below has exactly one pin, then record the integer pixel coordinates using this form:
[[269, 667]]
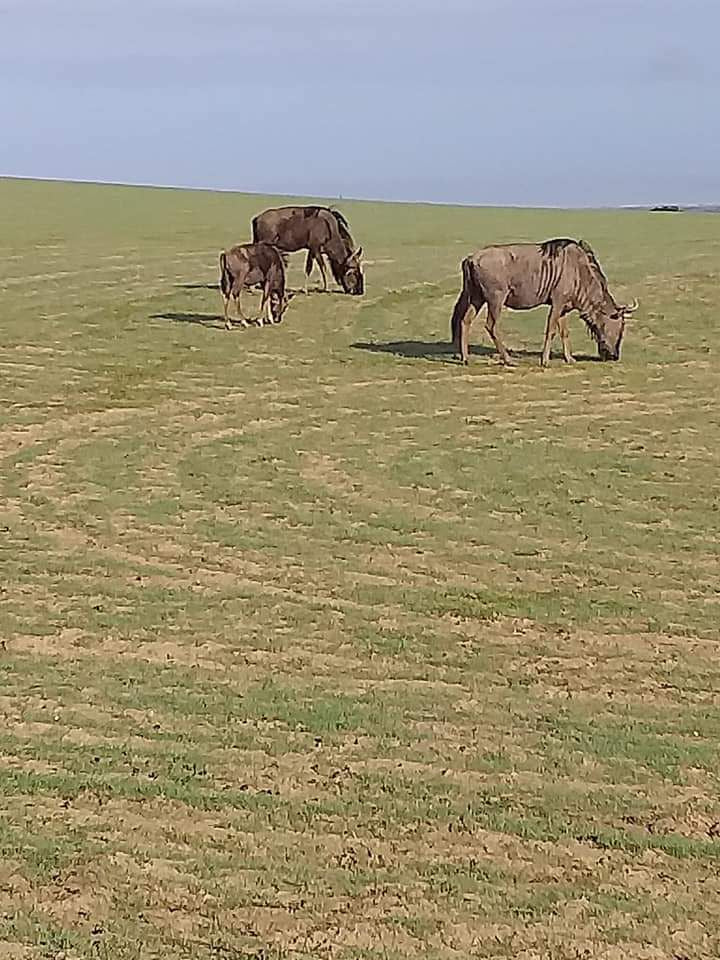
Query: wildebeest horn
[[358, 253], [632, 307]]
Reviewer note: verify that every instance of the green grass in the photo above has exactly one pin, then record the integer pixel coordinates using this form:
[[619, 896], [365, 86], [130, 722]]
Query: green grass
[[317, 645]]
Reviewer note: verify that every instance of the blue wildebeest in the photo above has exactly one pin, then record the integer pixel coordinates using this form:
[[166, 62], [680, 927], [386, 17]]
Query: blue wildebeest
[[322, 232], [562, 274], [249, 265]]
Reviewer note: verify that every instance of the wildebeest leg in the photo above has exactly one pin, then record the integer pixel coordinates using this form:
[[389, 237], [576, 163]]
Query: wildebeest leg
[[308, 268], [321, 263], [226, 304], [266, 304], [494, 311], [464, 333], [551, 328], [565, 334], [462, 305], [238, 305]]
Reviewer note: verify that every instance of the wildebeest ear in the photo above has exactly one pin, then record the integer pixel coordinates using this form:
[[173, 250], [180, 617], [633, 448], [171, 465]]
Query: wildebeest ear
[[358, 253]]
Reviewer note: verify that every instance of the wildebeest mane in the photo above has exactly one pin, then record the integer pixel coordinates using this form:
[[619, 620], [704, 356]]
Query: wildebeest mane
[[551, 248], [343, 225], [590, 254]]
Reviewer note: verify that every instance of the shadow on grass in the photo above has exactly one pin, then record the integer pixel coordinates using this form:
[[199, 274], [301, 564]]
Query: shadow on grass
[[210, 320], [258, 286], [442, 352], [437, 350], [213, 321], [300, 291]]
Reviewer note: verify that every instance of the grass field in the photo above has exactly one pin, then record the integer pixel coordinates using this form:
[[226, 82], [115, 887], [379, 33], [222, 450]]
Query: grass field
[[316, 644]]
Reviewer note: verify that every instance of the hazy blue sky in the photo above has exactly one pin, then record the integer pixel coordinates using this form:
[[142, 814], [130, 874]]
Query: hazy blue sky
[[490, 101]]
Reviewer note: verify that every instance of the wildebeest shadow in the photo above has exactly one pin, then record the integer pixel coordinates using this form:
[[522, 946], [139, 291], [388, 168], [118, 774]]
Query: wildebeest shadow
[[210, 320], [443, 352], [258, 286], [437, 350], [415, 349], [300, 291]]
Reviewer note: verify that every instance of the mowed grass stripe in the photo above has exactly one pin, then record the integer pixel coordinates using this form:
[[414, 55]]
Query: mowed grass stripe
[[353, 653]]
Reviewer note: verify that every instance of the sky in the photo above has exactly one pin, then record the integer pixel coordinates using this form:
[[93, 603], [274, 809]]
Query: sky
[[525, 102]]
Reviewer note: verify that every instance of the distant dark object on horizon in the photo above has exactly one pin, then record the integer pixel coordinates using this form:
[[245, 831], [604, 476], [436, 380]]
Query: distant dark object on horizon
[[676, 208]]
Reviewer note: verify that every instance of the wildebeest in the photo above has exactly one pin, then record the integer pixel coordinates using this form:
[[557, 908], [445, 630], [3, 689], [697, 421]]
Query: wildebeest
[[320, 231], [247, 265], [564, 274]]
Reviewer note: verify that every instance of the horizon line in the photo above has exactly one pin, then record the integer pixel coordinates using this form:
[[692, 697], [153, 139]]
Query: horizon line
[[636, 205]]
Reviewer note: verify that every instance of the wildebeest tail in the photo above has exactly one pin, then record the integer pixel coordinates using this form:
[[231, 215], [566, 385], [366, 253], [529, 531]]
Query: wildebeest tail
[[254, 228], [225, 278], [462, 304]]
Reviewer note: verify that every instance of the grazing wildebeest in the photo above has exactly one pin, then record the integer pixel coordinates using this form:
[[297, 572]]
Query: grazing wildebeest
[[564, 274], [320, 231], [247, 265]]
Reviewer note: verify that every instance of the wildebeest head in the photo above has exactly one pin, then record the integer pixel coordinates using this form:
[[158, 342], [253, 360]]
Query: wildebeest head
[[350, 274], [278, 305], [611, 331]]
